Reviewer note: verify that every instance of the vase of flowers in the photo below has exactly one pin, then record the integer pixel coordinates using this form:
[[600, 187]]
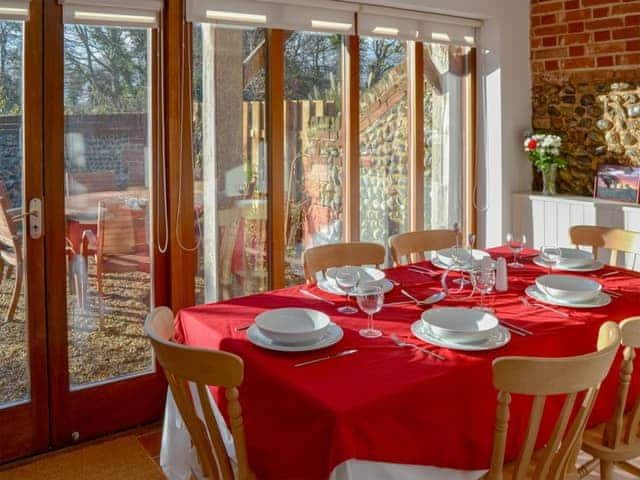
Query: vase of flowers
[[544, 154]]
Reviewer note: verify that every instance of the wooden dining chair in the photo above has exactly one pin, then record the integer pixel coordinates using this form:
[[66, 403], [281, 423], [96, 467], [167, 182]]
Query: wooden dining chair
[[539, 378], [617, 441], [203, 368], [588, 236], [319, 259], [412, 246], [10, 256], [618, 240]]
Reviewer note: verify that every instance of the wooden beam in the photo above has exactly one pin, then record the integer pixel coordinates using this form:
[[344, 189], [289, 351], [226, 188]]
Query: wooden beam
[[275, 160], [351, 134], [415, 69], [469, 137]]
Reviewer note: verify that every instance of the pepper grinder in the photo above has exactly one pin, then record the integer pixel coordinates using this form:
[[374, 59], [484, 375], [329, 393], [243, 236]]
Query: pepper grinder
[[502, 279]]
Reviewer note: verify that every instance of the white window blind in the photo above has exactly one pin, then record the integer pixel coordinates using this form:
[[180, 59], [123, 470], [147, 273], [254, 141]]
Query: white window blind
[[409, 25], [119, 13], [14, 10], [328, 17]]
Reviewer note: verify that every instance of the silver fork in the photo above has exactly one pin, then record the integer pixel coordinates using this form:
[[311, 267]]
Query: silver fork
[[400, 343], [525, 301]]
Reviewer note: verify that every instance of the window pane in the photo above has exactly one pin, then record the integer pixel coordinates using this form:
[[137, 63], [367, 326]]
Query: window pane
[[383, 139], [14, 366], [313, 145], [230, 161], [107, 201], [445, 68]]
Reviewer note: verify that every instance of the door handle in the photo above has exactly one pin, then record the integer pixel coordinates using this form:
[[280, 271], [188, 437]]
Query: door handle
[[35, 218]]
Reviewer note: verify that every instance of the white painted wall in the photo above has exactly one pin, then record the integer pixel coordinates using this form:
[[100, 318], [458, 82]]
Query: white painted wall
[[504, 103]]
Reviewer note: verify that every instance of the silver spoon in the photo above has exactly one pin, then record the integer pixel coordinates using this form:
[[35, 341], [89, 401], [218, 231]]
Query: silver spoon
[[400, 343], [525, 301], [435, 298]]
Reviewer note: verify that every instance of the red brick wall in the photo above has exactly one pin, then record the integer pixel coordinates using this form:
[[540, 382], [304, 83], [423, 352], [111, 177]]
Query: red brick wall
[[569, 35]]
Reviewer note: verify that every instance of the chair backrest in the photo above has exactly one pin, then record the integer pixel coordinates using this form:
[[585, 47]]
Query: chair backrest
[[541, 377], [413, 245], [619, 240], [8, 235], [203, 368], [88, 182], [616, 433], [318, 259], [116, 229], [588, 236]]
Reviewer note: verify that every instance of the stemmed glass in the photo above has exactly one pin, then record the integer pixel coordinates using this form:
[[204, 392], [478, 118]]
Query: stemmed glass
[[483, 278], [370, 301], [550, 255], [347, 279], [461, 259], [516, 243]]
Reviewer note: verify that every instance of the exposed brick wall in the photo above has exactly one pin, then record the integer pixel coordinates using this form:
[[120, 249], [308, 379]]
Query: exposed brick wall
[[585, 59], [584, 34]]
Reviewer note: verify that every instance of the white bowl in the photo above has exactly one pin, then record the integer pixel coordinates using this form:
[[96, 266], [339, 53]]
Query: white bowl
[[293, 326], [446, 255], [574, 258], [463, 325], [568, 288], [368, 275]]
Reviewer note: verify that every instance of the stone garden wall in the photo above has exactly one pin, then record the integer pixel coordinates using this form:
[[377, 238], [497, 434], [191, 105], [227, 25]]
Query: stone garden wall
[[98, 142], [586, 83]]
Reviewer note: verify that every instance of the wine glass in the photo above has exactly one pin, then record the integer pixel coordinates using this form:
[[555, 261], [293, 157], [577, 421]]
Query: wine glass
[[461, 260], [370, 300], [550, 255], [516, 244], [347, 279], [484, 279]]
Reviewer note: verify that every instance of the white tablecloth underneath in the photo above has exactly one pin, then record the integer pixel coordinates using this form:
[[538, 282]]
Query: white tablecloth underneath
[[178, 459]]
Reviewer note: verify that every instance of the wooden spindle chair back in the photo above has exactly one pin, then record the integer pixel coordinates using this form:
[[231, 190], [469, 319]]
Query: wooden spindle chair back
[[541, 377], [411, 247], [619, 442], [319, 259], [203, 368], [588, 236], [618, 240]]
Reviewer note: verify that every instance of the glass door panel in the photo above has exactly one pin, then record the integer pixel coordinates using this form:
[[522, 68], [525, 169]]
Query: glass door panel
[[107, 202], [230, 161], [14, 345], [384, 159], [313, 146]]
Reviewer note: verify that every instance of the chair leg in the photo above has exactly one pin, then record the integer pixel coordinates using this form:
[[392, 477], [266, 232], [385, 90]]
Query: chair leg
[[15, 297], [606, 470]]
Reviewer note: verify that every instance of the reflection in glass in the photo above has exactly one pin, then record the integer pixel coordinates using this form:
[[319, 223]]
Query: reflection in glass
[[445, 70], [14, 365], [313, 146], [229, 161], [383, 139], [107, 201]]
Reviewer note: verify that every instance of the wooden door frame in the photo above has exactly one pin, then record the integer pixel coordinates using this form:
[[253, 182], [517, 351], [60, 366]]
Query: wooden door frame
[[24, 428], [108, 407]]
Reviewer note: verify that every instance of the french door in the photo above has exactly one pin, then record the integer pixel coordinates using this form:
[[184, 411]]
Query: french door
[[79, 364]]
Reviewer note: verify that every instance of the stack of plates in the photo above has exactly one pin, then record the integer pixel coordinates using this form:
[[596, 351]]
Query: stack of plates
[[573, 260], [294, 330], [444, 258], [568, 291], [368, 276], [461, 329]]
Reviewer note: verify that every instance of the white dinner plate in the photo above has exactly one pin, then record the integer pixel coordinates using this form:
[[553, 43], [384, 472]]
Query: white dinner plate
[[365, 274], [595, 266], [438, 261], [329, 286], [332, 336], [497, 339], [602, 300]]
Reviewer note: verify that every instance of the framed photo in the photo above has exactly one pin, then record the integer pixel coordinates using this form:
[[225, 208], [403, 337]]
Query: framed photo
[[618, 182]]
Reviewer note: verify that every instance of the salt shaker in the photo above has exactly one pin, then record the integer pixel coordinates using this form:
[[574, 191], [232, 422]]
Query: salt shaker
[[502, 280]]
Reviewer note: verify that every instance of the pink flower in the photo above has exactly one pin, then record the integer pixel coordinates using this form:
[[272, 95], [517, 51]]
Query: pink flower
[[532, 144]]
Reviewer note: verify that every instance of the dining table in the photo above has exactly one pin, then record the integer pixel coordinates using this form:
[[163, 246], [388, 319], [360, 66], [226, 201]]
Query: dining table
[[387, 406]]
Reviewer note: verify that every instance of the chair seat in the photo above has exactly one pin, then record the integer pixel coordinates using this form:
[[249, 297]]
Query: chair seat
[[592, 444], [126, 263]]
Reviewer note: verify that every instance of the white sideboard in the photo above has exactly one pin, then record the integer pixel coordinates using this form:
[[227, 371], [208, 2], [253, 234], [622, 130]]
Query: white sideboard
[[546, 219]]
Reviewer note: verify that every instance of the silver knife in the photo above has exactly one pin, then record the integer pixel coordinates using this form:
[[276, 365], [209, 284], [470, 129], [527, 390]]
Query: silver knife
[[317, 297], [335, 355]]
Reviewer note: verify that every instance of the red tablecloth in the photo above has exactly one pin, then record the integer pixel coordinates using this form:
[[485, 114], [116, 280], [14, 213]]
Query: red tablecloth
[[387, 403]]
